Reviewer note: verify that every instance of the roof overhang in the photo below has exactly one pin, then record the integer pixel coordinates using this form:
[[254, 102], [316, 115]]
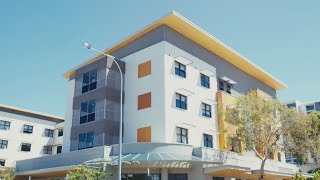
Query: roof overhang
[[201, 37]]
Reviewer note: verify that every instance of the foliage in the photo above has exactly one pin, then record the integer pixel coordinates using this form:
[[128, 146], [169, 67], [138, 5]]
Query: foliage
[[7, 173], [313, 134], [82, 172], [262, 123], [316, 176], [299, 176]]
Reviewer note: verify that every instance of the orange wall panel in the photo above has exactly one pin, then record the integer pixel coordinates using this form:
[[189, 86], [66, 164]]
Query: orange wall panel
[[144, 134], [144, 69], [144, 101]]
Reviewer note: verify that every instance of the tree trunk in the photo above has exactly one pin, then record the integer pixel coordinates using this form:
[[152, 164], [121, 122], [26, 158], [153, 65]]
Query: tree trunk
[[261, 173]]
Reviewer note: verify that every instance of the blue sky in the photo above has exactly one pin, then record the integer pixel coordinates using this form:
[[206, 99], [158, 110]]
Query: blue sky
[[40, 40]]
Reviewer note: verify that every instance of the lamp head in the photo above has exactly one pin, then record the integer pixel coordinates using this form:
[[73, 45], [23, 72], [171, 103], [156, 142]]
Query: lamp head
[[86, 45]]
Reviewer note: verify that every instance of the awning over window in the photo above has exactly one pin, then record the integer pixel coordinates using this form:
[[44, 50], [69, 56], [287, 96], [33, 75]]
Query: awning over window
[[184, 92], [228, 80], [207, 72], [183, 60]]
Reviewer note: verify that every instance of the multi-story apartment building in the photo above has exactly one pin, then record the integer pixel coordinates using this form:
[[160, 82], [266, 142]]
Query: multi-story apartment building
[[305, 108], [27, 134], [176, 75]]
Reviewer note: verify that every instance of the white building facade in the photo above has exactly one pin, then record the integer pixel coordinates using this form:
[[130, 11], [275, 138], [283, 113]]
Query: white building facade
[[26, 134], [175, 76]]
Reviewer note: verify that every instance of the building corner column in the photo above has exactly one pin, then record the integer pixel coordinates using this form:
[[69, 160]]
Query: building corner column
[[164, 174]]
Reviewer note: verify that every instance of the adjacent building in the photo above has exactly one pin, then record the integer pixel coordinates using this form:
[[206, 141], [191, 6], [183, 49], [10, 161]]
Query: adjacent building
[[305, 108], [26, 134], [176, 76]]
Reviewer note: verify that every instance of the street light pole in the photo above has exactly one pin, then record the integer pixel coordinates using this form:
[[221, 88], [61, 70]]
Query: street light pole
[[87, 46]]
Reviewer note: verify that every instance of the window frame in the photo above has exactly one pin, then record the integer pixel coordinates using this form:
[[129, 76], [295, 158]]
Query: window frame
[[60, 132], [206, 110], [2, 162], [180, 69], [4, 144], [207, 142], [86, 143], [87, 114], [221, 85], [92, 81], [182, 134], [205, 81], [47, 150], [27, 129], [25, 145], [5, 125], [180, 103], [59, 149], [48, 132]]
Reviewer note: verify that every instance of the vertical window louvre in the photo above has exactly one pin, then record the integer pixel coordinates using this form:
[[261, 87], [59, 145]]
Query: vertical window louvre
[[86, 140], [182, 135], [26, 147], [87, 111], [205, 81], [5, 125], [28, 129], [3, 144], [89, 81], [181, 101], [206, 110], [207, 140], [48, 132], [180, 69]]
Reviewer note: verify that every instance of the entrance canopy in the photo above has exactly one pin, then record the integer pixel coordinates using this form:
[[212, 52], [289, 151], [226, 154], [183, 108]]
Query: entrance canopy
[[151, 159]]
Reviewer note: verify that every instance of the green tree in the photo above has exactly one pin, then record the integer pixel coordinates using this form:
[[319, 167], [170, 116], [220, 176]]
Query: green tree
[[262, 122], [299, 176], [316, 176], [313, 135], [82, 172], [7, 173]]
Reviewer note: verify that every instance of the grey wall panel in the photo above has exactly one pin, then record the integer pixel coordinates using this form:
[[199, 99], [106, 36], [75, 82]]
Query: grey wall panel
[[245, 81], [224, 68]]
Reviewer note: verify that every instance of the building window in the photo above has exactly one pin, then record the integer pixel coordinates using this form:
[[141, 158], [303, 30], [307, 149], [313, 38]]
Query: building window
[[292, 105], [89, 81], [182, 135], [279, 156], [27, 129], [225, 86], [88, 111], [234, 145], [48, 133], [178, 176], [180, 69], [86, 140], [26, 147], [205, 81], [47, 149], [310, 107], [2, 162], [3, 144], [206, 110], [181, 101], [60, 132], [59, 149], [207, 140], [228, 88], [221, 86], [5, 125]]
